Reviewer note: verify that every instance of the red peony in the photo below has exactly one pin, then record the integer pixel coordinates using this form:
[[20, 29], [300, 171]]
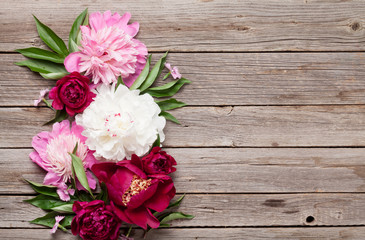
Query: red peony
[[158, 162], [132, 193], [95, 221], [72, 91]]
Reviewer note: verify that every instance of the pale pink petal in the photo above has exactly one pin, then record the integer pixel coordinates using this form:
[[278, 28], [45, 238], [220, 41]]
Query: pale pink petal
[[42, 94], [72, 62], [132, 29], [58, 220], [97, 21], [173, 70], [175, 73], [53, 179]]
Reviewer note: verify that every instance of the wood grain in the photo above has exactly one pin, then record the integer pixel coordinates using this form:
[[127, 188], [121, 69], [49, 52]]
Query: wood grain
[[257, 170], [271, 126], [200, 25], [236, 209], [295, 233], [231, 79]]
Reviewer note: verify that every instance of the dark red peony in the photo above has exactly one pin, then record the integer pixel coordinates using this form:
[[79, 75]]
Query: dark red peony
[[95, 221], [158, 162], [132, 193], [73, 92]]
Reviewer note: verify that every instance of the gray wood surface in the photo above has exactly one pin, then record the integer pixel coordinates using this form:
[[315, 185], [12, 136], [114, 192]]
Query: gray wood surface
[[264, 126], [237, 210], [205, 25], [245, 79], [292, 233], [252, 170], [275, 130]]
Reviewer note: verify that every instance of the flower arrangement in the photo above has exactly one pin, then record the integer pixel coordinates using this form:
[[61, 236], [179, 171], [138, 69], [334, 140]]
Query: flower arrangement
[[105, 169]]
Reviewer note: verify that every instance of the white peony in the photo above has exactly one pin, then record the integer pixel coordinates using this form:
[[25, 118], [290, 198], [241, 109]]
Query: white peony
[[119, 123]]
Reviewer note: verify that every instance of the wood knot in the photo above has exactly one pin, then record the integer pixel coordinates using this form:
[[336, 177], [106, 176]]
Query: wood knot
[[355, 26]]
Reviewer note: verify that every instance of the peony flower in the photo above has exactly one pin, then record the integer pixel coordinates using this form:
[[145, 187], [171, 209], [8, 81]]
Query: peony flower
[[119, 123], [132, 193], [72, 92], [173, 70], [94, 221], [42, 94], [52, 154], [58, 220], [109, 50], [158, 162]]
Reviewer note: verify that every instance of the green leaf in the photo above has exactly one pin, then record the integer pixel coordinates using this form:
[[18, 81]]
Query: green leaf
[[41, 54], [47, 220], [60, 116], [170, 104], [157, 143], [75, 30], [42, 66], [45, 202], [155, 72], [66, 222], [174, 216], [163, 225], [103, 195], [119, 82], [169, 117], [44, 189], [65, 208], [79, 171], [166, 76], [142, 76], [169, 89], [75, 148], [84, 196], [73, 46], [53, 76], [176, 203], [51, 39]]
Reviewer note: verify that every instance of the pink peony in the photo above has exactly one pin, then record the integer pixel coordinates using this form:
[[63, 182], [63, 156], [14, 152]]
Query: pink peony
[[109, 50], [52, 154]]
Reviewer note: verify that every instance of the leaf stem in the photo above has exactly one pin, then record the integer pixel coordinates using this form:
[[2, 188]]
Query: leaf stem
[[48, 104], [129, 231]]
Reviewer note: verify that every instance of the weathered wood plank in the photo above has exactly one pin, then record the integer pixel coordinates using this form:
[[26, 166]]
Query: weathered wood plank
[[232, 79], [191, 25], [308, 233], [233, 210], [256, 170], [224, 126]]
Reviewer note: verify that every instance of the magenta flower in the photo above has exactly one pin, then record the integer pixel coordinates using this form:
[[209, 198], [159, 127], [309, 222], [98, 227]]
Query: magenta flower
[[42, 94], [58, 220], [109, 50], [52, 154], [73, 93], [132, 193], [173, 70], [95, 221]]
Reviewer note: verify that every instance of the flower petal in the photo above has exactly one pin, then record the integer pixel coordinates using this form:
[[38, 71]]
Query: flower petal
[[72, 62]]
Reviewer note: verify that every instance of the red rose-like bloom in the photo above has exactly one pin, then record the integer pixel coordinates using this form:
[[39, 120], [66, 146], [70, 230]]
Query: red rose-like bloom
[[94, 221], [158, 162], [132, 193], [73, 92]]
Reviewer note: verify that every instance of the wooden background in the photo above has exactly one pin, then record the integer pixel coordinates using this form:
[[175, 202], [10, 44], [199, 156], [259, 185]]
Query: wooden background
[[275, 130]]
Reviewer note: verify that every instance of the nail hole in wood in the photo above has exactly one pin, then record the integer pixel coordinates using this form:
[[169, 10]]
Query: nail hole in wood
[[309, 219]]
